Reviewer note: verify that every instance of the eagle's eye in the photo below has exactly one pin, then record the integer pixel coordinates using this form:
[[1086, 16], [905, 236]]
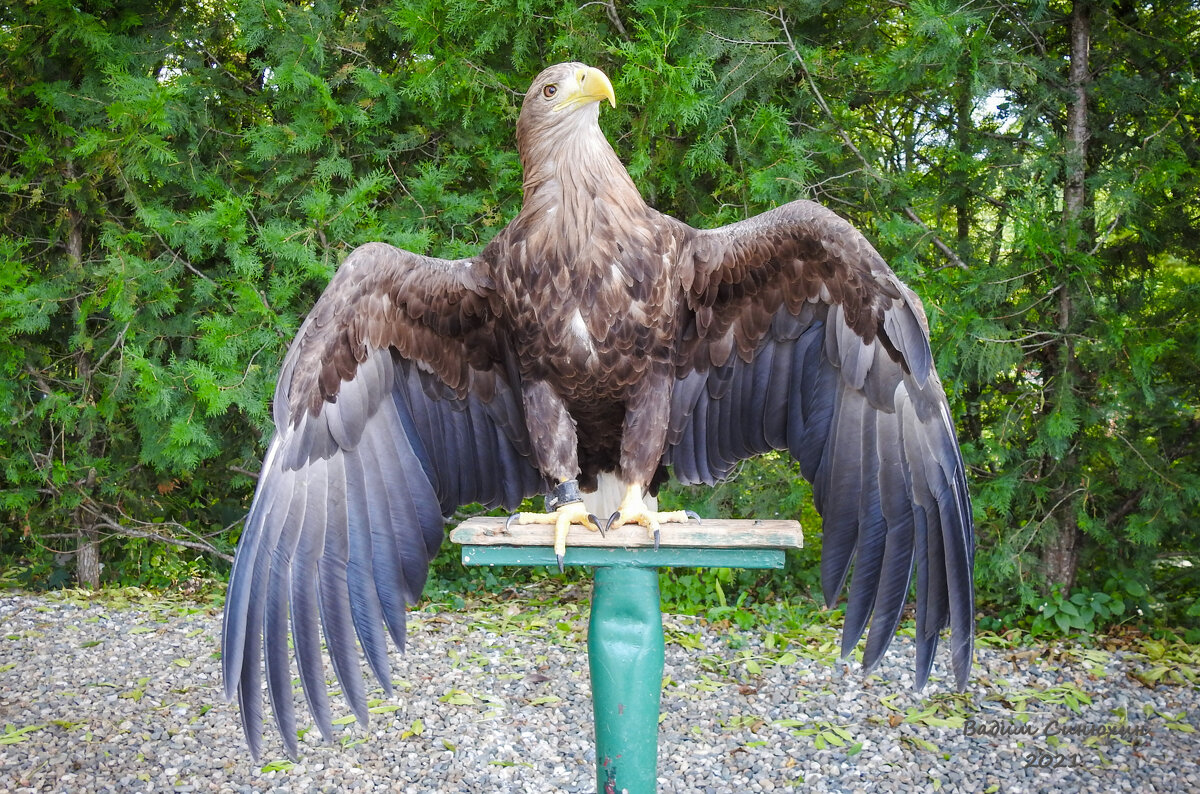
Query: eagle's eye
[[550, 90]]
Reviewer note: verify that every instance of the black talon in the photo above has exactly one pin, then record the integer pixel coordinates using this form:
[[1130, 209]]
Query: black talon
[[616, 514], [560, 557], [657, 535], [511, 519], [596, 520], [692, 514]]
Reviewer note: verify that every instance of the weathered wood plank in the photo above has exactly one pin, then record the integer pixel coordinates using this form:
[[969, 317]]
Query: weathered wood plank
[[723, 533]]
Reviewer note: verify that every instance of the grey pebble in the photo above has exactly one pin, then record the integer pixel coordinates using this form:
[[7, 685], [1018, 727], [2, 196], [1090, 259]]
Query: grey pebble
[[103, 699]]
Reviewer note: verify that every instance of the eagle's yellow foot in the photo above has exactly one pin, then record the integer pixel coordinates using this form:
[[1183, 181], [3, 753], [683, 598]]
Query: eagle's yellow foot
[[562, 518], [633, 510]]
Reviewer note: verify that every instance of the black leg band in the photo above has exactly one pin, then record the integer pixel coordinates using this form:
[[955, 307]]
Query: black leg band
[[564, 494]]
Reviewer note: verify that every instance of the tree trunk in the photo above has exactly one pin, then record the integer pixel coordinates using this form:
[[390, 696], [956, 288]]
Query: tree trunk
[[964, 134], [87, 552], [1075, 192], [1061, 553], [87, 559]]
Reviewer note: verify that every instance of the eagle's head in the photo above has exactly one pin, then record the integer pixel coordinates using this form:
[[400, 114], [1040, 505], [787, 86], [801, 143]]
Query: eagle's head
[[562, 94], [558, 132]]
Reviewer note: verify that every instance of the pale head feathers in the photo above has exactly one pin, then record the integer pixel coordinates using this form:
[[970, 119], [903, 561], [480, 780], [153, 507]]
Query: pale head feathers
[[563, 150]]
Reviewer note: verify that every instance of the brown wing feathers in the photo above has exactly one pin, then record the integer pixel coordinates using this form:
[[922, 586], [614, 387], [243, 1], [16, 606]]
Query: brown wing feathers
[[430, 310]]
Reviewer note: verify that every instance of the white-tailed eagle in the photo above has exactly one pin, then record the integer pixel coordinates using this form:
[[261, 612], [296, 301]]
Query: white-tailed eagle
[[593, 334]]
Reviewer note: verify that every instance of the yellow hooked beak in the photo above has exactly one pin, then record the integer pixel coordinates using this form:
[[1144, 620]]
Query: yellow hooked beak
[[587, 85]]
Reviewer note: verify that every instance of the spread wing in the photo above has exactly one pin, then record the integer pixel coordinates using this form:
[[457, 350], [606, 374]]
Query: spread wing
[[396, 403], [802, 339]]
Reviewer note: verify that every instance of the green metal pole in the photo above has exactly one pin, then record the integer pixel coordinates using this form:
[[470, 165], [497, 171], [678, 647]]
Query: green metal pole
[[625, 656]]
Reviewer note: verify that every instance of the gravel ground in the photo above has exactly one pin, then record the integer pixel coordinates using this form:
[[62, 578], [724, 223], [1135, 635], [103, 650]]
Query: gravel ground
[[122, 694]]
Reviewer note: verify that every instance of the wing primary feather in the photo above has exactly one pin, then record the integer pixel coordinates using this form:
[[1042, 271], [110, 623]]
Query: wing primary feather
[[249, 689], [957, 529], [275, 615], [938, 610], [931, 570], [417, 520], [243, 635], [409, 428], [409, 447], [893, 593], [961, 574], [279, 678], [953, 576], [248, 565], [895, 485], [360, 575], [389, 578], [925, 648], [832, 492], [872, 538], [897, 564], [409, 396], [334, 596], [306, 632]]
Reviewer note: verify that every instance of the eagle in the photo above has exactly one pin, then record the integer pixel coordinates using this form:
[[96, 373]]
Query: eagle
[[592, 335]]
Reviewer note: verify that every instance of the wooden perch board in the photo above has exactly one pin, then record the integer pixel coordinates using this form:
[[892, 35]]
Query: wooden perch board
[[720, 533]]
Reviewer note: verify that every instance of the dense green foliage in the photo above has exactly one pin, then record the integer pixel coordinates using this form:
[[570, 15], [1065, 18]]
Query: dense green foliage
[[178, 183]]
